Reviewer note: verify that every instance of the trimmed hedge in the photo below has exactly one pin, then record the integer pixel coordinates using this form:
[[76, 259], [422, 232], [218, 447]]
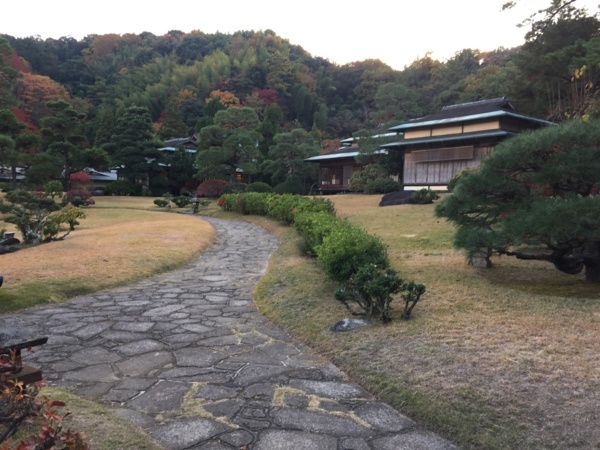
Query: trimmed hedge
[[348, 248], [313, 227]]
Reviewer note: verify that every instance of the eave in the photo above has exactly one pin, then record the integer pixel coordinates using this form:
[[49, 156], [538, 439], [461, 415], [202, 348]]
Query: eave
[[450, 138]]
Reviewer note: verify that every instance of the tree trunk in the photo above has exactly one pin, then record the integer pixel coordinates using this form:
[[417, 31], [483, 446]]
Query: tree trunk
[[592, 273], [592, 262]]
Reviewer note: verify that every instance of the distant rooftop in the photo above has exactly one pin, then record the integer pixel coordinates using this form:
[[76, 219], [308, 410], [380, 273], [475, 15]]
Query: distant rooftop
[[461, 112]]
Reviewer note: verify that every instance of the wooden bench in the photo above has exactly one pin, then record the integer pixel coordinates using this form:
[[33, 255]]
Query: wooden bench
[[16, 370]]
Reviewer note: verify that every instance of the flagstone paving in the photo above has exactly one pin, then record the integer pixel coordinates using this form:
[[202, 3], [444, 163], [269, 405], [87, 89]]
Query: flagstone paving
[[187, 356]]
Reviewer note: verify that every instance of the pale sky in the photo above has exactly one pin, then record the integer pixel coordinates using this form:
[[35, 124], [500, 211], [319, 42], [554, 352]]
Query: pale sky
[[396, 32]]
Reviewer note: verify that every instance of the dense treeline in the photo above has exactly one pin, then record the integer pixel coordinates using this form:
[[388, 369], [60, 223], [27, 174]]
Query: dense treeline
[[183, 81]]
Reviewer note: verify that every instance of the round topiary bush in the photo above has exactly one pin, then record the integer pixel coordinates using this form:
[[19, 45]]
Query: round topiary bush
[[211, 188]]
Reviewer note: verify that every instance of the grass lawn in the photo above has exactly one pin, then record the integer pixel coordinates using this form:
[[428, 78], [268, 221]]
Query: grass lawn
[[123, 239], [499, 358]]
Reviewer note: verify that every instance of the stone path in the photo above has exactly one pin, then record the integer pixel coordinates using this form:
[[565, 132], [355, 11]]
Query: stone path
[[187, 356]]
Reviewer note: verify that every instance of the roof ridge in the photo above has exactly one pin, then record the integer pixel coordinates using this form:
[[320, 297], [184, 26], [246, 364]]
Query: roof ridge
[[475, 103]]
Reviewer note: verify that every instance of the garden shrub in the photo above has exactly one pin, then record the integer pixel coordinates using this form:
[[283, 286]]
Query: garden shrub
[[348, 248], [227, 202], [211, 188], [78, 197], [235, 188], [372, 288], [424, 196], [161, 203], [381, 186], [68, 215], [371, 172], [259, 186], [181, 201], [281, 207], [53, 189], [317, 204], [255, 203], [120, 187], [313, 227]]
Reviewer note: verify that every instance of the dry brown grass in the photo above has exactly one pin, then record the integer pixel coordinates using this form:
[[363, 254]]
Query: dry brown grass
[[113, 245], [499, 358]]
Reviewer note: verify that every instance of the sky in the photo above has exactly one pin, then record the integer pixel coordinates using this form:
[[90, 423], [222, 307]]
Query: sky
[[395, 32]]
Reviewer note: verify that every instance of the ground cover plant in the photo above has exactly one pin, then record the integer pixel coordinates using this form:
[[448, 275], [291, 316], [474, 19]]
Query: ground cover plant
[[499, 358]]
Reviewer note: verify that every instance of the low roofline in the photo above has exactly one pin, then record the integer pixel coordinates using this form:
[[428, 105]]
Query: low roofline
[[410, 125], [329, 156], [375, 136]]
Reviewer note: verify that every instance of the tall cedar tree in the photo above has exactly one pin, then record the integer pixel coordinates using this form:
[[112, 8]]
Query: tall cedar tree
[[136, 147], [535, 198], [62, 136]]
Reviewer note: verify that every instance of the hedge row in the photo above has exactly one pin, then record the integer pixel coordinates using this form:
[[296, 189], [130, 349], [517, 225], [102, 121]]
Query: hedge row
[[349, 254], [342, 247]]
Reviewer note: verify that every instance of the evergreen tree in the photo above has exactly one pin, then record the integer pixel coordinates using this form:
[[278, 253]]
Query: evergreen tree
[[287, 155], [230, 145], [62, 136], [136, 147], [535, 198]]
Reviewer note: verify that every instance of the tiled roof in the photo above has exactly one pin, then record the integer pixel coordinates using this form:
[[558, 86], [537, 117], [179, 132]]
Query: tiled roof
[[470, 109], [451, 138]]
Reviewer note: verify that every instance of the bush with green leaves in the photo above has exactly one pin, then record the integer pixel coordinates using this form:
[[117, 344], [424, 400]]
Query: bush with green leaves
[[381, 186], [53, 189], [120, 187], [371, 172], [372, 289], [348, 248], [255, 203], [68, 215], [313, 227], [37, 216], [181, 201], [281, 207], [161, 202], [227, 202], [315, 204], [259, 186], [424, 196]]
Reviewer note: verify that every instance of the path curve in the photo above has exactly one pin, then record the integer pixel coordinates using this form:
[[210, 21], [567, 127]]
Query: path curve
[[187, 356]]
